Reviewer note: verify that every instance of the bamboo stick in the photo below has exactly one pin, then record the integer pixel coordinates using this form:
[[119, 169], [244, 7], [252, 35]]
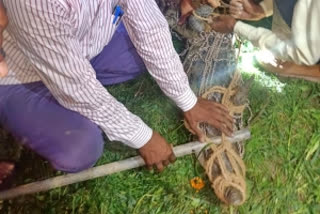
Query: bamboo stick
[[108, 169]]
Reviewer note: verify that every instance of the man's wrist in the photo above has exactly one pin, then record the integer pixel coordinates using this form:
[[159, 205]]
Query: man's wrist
[[232, 24], [142, 137], [187, 100]]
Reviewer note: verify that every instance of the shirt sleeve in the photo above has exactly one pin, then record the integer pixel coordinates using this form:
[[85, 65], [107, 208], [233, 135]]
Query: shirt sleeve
[[303, 47], [150, 34], [267, 6], [44, 34]]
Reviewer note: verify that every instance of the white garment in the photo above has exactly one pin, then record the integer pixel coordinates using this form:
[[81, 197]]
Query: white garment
[[301, 45]]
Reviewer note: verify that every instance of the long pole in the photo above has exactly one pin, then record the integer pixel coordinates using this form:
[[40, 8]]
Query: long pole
[[108, 169]]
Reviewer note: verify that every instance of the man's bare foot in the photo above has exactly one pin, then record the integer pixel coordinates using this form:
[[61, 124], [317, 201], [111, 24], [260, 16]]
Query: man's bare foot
[[6, 169], [289, 69]]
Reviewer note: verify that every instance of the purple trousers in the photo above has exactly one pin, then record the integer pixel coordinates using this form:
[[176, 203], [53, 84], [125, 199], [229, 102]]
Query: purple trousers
[[69, 141]]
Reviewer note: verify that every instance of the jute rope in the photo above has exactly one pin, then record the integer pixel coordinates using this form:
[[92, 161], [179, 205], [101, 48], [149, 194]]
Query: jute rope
[[234, 178], [209, 20], [231, 173]]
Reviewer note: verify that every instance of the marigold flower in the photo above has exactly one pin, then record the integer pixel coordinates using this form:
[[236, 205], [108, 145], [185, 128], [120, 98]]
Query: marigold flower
[[197, 183]]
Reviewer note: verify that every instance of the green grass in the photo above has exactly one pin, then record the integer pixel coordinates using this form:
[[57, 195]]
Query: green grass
[[282, 158]]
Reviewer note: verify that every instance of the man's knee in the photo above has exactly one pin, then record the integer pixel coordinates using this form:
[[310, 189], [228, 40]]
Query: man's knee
[[86, 149]]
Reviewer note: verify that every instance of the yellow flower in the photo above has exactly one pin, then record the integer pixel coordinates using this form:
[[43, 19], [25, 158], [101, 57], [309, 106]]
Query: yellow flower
[[197, 183]]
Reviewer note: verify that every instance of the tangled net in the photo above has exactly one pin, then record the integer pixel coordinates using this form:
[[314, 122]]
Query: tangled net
[[210, 62]]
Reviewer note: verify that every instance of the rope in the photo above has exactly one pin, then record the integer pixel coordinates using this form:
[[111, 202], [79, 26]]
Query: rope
[[229, 185], [209, 20], [224, 5], [231, 166], [224, 166]]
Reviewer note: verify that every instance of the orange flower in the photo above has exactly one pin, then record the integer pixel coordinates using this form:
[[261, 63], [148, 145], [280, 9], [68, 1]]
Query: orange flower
[[197, 183]]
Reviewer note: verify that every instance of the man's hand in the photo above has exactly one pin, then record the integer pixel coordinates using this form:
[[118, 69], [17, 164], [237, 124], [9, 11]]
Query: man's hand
[[209, 112], [246, 10], [157, 153], [213, 3], [223, 24], [3, 25], [186, 9]]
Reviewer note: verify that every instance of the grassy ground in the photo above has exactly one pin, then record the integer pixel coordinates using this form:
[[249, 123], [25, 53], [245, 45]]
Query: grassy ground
[[282, 158]]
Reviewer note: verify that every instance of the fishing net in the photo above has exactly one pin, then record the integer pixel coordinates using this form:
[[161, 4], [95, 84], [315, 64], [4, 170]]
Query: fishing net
[[210, 61]]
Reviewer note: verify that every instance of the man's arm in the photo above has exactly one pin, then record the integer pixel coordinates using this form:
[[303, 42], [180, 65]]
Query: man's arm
[[150, 34], [249, 10], [302, 48], [44, 33]]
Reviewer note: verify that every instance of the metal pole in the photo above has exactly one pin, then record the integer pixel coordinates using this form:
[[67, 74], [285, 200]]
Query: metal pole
[[108, 169]]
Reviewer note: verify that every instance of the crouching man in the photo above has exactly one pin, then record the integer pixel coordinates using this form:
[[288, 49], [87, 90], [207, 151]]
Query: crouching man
[[60, 53]]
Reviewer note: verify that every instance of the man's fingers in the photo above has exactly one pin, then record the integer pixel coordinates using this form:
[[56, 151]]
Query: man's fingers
[[188, 126], [221, 123], [214, 3], [236, 3], [226, 130], [186, 9], [149, 167], [172, 158], [183, 18], [235, 13], [236, 8], [213, 105], [220, 116], [160, 167], [222, 127], [214, 110], [228, 122], [198, 132], [221, 106], [226, 118], [224, 112], [165, 162], [217, 107]]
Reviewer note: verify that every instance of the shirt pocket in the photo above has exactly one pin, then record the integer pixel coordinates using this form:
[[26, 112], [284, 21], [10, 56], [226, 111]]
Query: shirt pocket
[[112, 27]]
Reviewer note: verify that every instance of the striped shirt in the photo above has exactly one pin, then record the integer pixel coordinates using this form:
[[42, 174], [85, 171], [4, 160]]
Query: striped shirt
[[53, 40]]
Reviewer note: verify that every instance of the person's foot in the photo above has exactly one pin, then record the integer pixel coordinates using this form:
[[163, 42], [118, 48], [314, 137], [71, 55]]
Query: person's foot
[[290, 69], [6, 169]]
